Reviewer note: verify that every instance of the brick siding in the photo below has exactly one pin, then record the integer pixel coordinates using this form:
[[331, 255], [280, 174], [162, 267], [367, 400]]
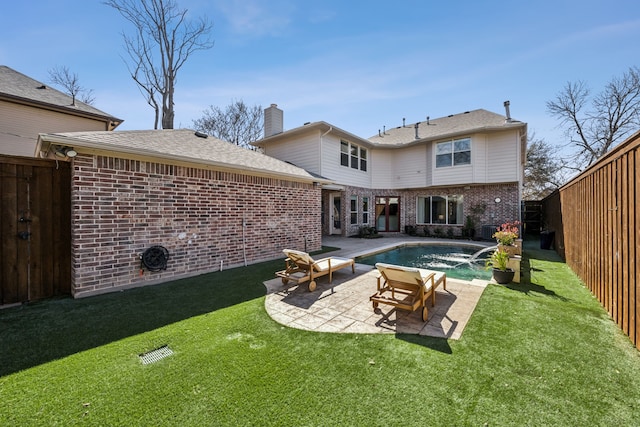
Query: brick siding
[[121, 207], [478, 195]]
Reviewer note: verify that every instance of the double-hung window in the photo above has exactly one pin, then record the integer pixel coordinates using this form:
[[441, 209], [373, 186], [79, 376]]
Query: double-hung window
[[353, 209], [365, 210], [453, 153], [352, 155]]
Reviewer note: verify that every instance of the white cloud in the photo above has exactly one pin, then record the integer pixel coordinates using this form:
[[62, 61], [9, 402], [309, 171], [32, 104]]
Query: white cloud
[[256, 18]]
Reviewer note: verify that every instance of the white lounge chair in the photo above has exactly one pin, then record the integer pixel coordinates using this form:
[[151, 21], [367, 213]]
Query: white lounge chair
[[407, 288], [300, 267]]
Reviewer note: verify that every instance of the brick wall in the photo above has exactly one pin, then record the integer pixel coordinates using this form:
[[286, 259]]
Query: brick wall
[[121, 207], [478, 195]]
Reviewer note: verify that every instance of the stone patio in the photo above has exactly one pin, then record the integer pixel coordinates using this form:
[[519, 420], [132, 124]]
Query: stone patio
[[344, 305]]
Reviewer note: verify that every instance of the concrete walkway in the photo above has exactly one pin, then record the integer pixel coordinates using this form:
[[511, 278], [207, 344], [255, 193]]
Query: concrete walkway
[[343, 306]]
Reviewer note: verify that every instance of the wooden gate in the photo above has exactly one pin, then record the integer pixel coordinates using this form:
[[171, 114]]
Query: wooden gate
[[35, 229]]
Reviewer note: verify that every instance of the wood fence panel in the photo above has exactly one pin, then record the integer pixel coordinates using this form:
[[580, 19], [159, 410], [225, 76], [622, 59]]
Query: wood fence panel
[[598, 225], [35, 229]]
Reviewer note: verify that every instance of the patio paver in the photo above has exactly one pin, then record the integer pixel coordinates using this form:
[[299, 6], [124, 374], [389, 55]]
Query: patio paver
[[344, 305]]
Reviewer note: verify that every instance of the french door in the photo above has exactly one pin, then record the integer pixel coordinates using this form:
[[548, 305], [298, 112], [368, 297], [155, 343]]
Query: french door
[[388, 213]]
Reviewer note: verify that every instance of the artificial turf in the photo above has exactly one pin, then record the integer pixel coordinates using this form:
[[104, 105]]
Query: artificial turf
[[542, 352]]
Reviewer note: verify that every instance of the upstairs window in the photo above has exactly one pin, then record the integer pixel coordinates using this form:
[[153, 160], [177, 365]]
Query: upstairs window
[[353, 156], [453, 153]]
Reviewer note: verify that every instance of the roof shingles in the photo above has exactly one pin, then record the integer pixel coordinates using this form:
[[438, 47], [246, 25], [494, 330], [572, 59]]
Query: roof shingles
[[443, 127], [183, 145], [16, 85]]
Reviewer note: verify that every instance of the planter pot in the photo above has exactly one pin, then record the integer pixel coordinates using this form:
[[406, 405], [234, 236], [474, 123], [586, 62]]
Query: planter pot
[[503, 276]]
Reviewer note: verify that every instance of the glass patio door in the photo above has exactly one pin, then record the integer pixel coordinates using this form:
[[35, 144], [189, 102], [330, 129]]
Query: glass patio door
[[388, 213]]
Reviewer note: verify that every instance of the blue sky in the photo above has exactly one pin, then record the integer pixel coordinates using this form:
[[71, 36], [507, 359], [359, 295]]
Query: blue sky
[[357, 64]]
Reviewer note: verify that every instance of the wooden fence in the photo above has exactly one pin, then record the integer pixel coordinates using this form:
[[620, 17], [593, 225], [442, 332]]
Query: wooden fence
[[596, 224], [35, 229]]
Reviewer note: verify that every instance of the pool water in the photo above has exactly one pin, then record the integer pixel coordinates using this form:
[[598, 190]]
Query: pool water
[[457, 261]]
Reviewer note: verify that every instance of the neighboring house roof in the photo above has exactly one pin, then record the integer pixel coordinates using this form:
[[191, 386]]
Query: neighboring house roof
[[17, 87], [176, 145], [446, 127]]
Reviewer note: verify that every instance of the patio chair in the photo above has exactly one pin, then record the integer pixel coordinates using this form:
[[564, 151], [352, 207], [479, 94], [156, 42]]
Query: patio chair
[[301, 267], [407, 288]]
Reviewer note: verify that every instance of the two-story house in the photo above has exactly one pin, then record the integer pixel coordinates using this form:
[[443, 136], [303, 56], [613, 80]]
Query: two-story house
[[433, 176], [29, 107]]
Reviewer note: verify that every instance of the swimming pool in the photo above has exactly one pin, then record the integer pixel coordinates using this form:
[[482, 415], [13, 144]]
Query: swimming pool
[[463, 262]]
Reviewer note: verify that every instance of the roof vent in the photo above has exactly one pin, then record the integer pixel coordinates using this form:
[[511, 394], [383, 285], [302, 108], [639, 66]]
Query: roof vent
[[507, 112], [416, 126], [41, 87], [428, 121], [201, 134], [403, 122]]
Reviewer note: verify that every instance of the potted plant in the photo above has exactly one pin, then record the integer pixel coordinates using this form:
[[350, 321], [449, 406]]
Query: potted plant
[[499, 261], [506, 236]]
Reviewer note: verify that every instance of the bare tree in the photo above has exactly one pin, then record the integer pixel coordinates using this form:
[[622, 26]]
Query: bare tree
[[596, 124], [64, 78], [542, 170], [164, 39], [237, 123]]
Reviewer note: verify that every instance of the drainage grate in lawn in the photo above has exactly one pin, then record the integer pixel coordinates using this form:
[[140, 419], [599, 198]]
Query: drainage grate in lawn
[[155, 355]]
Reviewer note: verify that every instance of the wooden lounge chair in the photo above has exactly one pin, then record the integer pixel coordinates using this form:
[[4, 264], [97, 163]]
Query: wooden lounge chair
[[407, 288], [300, 267]]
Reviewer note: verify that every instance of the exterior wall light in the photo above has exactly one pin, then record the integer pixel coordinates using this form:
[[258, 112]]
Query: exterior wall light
[[65, 152]]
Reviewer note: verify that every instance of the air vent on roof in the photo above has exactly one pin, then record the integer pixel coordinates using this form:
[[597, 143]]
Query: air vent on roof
[[41, 87], [201, 135], [466, 112], [306, 123]]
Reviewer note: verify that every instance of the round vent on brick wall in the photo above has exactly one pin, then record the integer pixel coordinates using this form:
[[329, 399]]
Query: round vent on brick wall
[[155, 258]]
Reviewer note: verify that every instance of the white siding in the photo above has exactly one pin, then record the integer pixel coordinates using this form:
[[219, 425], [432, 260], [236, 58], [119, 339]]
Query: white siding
[[21, 124], [332, 169], [382, 163], [401, 168], [302, 151], [503, 157], [494, 159]]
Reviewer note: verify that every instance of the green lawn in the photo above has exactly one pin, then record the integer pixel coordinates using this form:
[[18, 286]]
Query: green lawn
[[540, 353]]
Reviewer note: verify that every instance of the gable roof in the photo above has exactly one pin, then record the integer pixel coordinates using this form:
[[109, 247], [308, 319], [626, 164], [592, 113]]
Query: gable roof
[[320, 126], [177, 145], [19, 88], [446, 127]]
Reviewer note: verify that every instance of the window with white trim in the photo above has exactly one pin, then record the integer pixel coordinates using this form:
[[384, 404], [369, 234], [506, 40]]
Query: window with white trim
[[365, 210], [453, 153], [439, 210], [353, 206], [352, 155]]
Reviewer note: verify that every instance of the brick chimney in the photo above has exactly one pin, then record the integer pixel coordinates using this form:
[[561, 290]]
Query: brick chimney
[[273, 121]]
